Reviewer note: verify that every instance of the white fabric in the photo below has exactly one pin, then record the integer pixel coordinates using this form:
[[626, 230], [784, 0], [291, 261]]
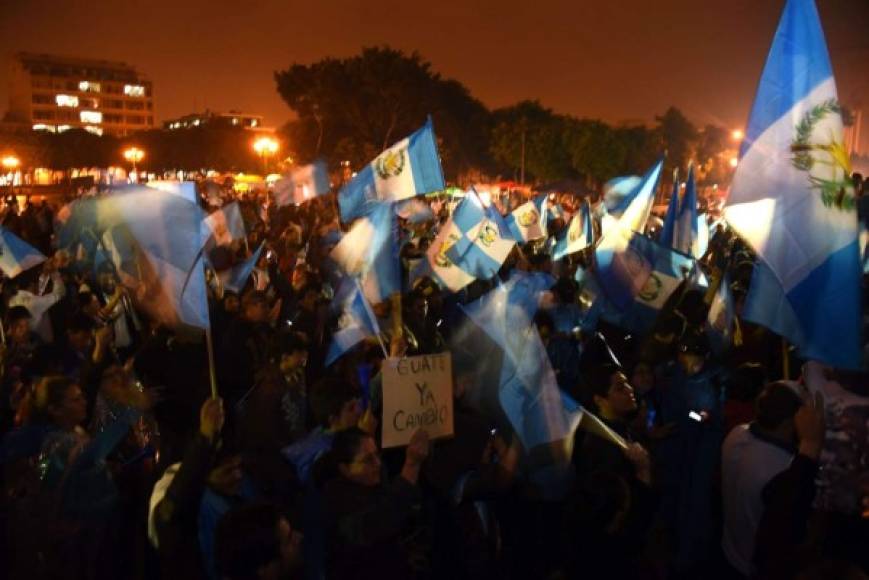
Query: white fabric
[[748, 464], [156, 497]]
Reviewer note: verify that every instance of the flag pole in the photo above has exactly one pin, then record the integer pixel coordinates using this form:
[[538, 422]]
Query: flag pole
[[209, 345], [786, 359], [397, 327]]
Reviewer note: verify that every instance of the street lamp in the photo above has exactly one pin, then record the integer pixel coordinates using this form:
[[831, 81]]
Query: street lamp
[[265, 146], [737, 134], [10, 164], [134, 155]]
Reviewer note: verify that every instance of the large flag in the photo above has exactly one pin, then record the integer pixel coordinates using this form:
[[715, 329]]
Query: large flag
[[672, 211], [528, 221], [485, 242], [686, 233], [620, 274], [528, 390], [792, 199], [224, 224], [408, 168], [357, 323], [579, 234], [236, 277], [16, 255], [302, 184], [369, 251]]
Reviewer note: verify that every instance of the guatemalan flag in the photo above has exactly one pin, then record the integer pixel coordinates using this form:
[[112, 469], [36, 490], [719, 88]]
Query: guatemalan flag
[[408, 168], [620, 274], [224, 224], [793, 201], [357, 322], [528, 221], [686, 231], [16, 255], [579, 234], [672, 211], [485, 241], [236, 277], [369, 251], [666, 269], [448, 274], [302, 184]]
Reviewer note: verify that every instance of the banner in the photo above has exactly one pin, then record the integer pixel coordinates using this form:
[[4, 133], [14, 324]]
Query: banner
[[417, 394]]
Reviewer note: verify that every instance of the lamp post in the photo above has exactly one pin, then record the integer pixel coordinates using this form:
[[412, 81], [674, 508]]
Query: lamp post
[[265, 146], [10, 164], [134, 155]]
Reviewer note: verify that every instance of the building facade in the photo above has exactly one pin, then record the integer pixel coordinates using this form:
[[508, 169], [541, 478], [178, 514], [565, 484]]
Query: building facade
[[55, 93], [232, 118]]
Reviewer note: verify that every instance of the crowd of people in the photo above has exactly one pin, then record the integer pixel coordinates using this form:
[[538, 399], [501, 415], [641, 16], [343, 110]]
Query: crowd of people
[[117, 461]]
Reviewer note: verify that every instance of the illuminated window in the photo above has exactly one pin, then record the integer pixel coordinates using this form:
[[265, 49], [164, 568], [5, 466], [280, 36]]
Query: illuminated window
[[196, 122], [44, 127], [62, 128], [134, 90], [91, 117], [254, 122], [66, 101], [94, 130], [89, 87], [235, 120]]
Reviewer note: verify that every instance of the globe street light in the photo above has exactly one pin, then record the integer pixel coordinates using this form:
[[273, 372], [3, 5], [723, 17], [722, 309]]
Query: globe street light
[[265, 146], [134, 155], [737, 134]]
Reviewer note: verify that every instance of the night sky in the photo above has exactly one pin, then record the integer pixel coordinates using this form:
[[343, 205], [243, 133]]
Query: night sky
[[620, 60]]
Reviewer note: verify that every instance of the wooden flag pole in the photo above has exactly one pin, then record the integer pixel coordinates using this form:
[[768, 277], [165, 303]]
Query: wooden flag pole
[[397, 326], [209, 345]]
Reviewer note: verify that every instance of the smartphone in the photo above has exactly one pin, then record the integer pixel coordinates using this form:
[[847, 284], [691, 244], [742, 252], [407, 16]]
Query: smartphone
[[493, 432], [269, 255], [694, 415]]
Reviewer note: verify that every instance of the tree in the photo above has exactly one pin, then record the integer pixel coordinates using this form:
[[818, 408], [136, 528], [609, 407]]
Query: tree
[[679, 138], [351, 109], [543, 134]]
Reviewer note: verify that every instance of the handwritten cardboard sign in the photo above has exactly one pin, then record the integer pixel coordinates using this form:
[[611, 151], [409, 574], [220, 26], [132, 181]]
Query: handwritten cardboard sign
[[417, 394]]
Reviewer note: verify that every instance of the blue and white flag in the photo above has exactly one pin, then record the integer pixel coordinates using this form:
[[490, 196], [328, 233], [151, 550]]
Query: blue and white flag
[[438, 262], [579, 234], [528, 221], [672, 211], [408, 168], [369, 252], [302, 184], [236, 277], [793, 201], [620, 274], [357, 323], [666, 268], [485, 242], [686, 234], [528, 390], [16, 255], [721, 318], [225, 225], [619, 193]]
